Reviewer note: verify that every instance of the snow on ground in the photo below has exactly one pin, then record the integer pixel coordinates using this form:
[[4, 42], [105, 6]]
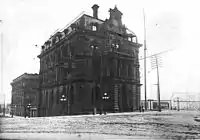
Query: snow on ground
[[154, 125]]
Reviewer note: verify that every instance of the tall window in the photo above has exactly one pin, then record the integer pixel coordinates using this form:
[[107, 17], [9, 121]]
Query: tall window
[[108, 71], [97, 93], [47, 99], [119, 68], [58, 55], [52, 99], [120, 72], [65, 51], [58, 96], [72, 94], [65, 73], [129, 70]]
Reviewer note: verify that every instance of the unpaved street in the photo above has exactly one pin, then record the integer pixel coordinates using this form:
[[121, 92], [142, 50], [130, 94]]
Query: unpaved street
[[154, 125]]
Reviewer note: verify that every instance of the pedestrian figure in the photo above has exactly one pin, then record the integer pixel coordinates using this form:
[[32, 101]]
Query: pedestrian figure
[[142, 109]]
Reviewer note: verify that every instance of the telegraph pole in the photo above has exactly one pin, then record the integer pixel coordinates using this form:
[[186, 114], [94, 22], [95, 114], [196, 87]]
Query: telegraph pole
[[145, 82], [178, 105], [2, 70], [156, 64], [159, 108]]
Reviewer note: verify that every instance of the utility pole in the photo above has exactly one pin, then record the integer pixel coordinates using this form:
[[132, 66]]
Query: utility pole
[[145, 82], [159, 108], [1, 22], [178, 104], [156, 64]]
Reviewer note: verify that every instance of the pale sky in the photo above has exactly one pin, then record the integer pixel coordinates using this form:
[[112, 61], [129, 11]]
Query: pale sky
[[170, 24]]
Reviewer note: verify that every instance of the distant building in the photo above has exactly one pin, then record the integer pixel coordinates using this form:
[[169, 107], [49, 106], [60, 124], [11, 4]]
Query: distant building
[[91, 65], [1, 109], [8, 109], [153, 104], [185, 100], [24, 95]]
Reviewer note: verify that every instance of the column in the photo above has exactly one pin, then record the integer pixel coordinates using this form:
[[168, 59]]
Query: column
[[138, 96], [116, 94], [134, 97]]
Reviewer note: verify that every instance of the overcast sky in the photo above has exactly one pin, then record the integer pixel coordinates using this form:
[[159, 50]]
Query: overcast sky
[[170, 25]]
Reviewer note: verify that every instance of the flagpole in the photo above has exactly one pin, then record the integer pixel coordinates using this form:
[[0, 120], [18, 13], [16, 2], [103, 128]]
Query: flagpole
[[145, 82]]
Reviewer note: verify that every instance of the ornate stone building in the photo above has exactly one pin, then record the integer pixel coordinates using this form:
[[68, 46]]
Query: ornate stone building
[[25, 89], [91, 65]]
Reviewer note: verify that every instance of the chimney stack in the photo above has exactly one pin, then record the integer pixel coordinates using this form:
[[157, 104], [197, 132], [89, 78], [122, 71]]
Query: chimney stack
[[95, 11]]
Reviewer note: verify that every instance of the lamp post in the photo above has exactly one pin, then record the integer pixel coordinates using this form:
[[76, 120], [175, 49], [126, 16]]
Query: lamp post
[[94, 82], [100, 78], [29, 108], [63, 99], [145, 77], [105, 98]]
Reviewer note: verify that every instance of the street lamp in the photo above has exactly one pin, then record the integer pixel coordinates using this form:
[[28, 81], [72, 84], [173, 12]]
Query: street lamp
[[63, 99], [105, 98], [29, 107], [94, 86]]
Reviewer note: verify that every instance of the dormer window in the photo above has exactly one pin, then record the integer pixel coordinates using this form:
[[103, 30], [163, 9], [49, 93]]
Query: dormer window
[[43, 48], [117, 46], [57, 39], [134, 40], [94, 28], [54, 40]]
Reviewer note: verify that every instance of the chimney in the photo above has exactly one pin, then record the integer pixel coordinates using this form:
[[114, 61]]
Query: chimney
[[95, 11]]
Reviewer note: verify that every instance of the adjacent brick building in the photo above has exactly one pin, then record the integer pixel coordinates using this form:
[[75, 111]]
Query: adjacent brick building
[[24, 94], [90, 65]]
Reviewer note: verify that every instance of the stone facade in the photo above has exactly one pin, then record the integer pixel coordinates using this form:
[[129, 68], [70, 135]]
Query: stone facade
[[25, 89], [90, 59]]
